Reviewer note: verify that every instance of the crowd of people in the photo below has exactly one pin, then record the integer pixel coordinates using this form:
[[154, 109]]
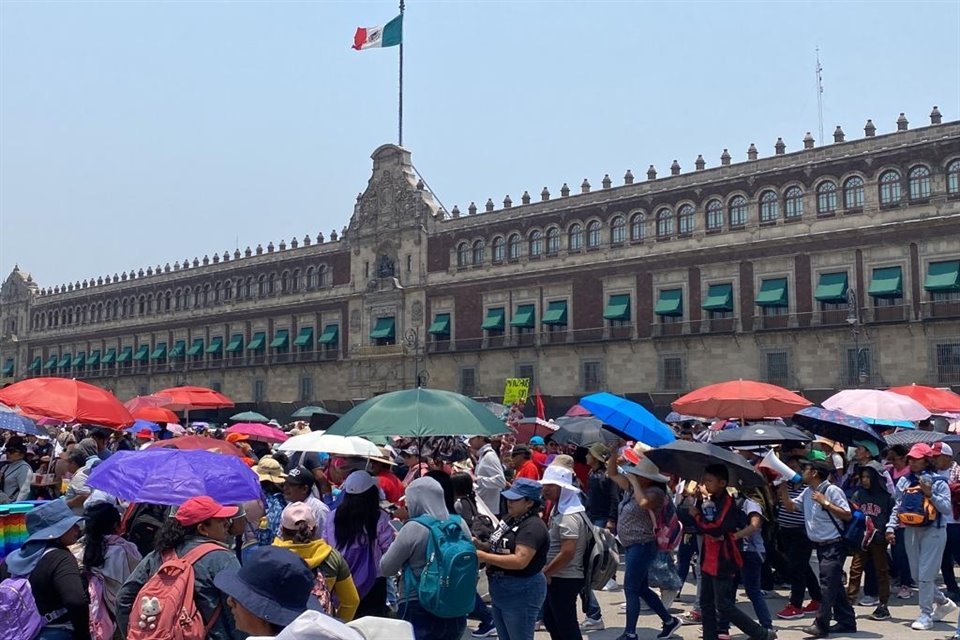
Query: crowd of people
[[348, 546]]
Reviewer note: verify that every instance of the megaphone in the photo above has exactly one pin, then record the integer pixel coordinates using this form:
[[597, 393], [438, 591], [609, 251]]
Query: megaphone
[[779, 467]]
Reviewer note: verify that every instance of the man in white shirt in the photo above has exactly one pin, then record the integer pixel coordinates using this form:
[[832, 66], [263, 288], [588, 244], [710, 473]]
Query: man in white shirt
[[488, 474]]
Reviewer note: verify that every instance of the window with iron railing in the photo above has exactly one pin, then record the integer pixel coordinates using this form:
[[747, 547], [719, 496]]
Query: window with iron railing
[[778, 368], [671, 373], [468, 381], [591, 376], [948, 362]]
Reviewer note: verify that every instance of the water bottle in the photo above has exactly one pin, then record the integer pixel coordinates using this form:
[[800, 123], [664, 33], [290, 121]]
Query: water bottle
[[709, 509]]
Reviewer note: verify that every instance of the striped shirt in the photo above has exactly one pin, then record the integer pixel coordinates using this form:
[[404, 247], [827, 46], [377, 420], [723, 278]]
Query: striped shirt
[[791, 519]]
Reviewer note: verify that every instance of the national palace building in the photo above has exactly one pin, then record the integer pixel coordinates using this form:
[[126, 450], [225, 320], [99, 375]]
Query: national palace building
[[832, 266]]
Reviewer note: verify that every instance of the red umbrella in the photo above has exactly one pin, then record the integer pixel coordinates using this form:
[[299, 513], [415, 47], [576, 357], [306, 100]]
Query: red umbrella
[[258, 431], [142, 402], [188, 398], [743, 399], [577, 411], [67, 400], [155, 414], [935, 400], [529, 427], [199, 442]]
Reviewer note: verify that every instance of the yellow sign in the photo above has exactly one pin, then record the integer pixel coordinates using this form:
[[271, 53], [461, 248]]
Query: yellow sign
[[516, 390]]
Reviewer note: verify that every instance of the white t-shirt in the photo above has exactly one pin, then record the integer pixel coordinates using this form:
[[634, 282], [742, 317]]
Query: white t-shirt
[[753, 542]]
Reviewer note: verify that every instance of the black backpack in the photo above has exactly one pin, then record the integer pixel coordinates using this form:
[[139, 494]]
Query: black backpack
[[143, 524]]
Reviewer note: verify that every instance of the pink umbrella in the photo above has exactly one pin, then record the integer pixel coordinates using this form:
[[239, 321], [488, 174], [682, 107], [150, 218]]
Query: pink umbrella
[[529, 427], [577, 411], [877, 405], [257, 431]]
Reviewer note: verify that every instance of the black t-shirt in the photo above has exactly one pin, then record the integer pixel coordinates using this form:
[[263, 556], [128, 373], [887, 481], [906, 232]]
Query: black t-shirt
[[531, 533]]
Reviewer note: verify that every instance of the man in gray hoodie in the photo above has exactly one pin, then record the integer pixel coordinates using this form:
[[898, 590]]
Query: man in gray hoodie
[[489, 477]]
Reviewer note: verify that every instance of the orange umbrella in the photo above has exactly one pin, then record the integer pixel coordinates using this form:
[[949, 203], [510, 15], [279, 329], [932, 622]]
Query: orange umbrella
[[67, 400], [188, 398], [933, 399], [155, 414], [744, 399], [199, 442]]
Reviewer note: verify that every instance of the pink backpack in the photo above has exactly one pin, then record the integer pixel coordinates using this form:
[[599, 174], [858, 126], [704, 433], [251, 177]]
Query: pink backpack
[[667, 527], [102, 626], [165, 607]]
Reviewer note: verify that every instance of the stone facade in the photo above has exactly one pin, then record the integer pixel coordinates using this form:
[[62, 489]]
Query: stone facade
[[404, 292]]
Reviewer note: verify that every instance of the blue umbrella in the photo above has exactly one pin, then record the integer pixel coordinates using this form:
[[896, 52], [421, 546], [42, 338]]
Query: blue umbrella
[[140, 425], [628, 417], [890, 424], [673, 416], [837, 425], [19, 424]]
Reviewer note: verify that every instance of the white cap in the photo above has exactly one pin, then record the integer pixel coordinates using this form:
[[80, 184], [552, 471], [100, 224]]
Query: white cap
[[943, 449]]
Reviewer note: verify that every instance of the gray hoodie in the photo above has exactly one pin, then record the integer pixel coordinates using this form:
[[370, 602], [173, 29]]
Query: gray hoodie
[[424, 497]]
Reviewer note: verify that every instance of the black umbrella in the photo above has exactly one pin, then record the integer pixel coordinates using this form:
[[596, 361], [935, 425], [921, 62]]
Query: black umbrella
[[761, 434], [688, 460], [913, 436], [836, 425], [582, 431]]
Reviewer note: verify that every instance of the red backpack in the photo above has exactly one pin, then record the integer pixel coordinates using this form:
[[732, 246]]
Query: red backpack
[[165, 607], [667, 527]]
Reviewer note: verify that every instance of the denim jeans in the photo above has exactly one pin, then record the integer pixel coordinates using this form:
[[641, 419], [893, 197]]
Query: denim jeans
[[638, 558], [481, 611], [752, 564], [685, 552], [901, 564], [427, 626], [516, 604], [55, 633]]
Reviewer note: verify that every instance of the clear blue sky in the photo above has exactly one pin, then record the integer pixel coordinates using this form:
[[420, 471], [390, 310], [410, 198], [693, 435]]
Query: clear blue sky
[[138, 133]]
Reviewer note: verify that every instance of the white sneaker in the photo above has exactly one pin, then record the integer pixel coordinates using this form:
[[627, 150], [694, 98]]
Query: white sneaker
[[592, 624], [611, 585], [923, 623], [869, 601], [943, 611]]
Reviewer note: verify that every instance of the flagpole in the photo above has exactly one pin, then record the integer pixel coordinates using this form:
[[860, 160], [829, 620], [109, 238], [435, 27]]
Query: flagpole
[[400, 100]]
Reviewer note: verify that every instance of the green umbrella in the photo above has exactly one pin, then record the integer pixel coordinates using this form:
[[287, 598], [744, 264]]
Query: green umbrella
[[250, 416], [418, 413], [306, 412]]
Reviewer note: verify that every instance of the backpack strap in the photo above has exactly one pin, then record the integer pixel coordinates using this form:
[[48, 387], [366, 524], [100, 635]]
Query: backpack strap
[[200, 550]]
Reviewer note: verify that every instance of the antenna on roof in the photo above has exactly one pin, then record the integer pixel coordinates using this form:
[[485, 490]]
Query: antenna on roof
[[820, 93]]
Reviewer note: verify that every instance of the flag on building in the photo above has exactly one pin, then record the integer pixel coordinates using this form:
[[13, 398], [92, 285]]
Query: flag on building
[[388, 35]]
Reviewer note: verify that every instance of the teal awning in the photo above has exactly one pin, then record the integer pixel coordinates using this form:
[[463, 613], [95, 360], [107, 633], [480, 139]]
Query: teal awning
[[256, 344], [887, 282], [196, 348], [385, 329], [440, 325], [670, 303], [556, 313], [65, 361], [216, 345], [160, 352], [281, 339], [943, 276], [329, 335], [36, 364], [524, 318], [719, 298], [179, 349], [618, 307], [304, 338], [109, 357], [8, 367], [832, 287], [235, 344], [51, 363], [142, 353], [773, 293], [93, 359], [81, 359], [125, 355], [494, 320]]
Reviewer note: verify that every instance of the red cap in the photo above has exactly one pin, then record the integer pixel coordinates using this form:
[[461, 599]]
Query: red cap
[[921, 450], [196, 510], [145, 433]]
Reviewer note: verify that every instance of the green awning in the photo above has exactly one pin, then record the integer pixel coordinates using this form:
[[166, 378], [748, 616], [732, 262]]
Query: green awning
[[329, 335], [440, 325], [8, 367], [93, 359], [832, 287], [384, 329], [281, 339], [51, 363], [126, 354], [160, 352], [618, 307], [887, 282], [179, 349], [670, 303], [773, 293], [65, 361], [524, 318], [304, 338], [196, 348], [109, 357], [257, 342], [494, 320], [216, 345], [236, 343], [719, 298], [556, 313], [943, 276], [142, 353], [35, 365], [81, 359]]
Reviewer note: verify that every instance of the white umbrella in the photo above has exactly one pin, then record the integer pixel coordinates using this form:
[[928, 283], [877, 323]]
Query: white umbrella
[[320, 442], [876, 404]]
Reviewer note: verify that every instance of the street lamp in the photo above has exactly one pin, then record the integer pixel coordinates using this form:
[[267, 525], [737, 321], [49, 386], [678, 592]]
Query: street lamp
[[412, 342], [853, 319]]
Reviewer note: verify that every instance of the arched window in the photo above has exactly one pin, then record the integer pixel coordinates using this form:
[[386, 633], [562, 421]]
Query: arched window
[[142, 306], [853, 195], [685, 220], [479, 252], [953, 177], [793, 203], [216, 292], [575, 237], [553, 241], [463, 254], [311, 278], [826, 197], [261, 286], [498, 249], [248, 288], [769, 206], [177, 300], [737, 211], [618, 230], [889, 188], [919, 183], [323, 276], [295, 281], [284, 282], [166, 302], [638, 229], [664, 223], [197, 298], [228, 290], [513, 246], [536, 243], [206, 295], [593, 234], [714, 215], [270, 284]]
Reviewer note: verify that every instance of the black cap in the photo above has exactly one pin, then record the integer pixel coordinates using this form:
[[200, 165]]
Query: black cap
[[300, 475]]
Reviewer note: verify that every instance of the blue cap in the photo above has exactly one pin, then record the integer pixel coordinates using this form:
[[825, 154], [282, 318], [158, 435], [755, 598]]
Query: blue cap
[[523, 488], [537, 440]]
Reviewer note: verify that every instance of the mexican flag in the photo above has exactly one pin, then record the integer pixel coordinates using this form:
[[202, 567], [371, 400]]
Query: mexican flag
[[388, 35]]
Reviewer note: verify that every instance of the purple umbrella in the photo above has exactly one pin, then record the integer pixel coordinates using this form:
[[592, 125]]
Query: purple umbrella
[[173, 476]]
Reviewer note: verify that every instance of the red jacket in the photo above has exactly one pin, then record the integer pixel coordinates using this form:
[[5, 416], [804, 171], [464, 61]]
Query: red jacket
[[720, 556]]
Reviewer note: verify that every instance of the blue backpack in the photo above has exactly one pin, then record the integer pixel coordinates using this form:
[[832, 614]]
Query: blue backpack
[[448, 584]]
